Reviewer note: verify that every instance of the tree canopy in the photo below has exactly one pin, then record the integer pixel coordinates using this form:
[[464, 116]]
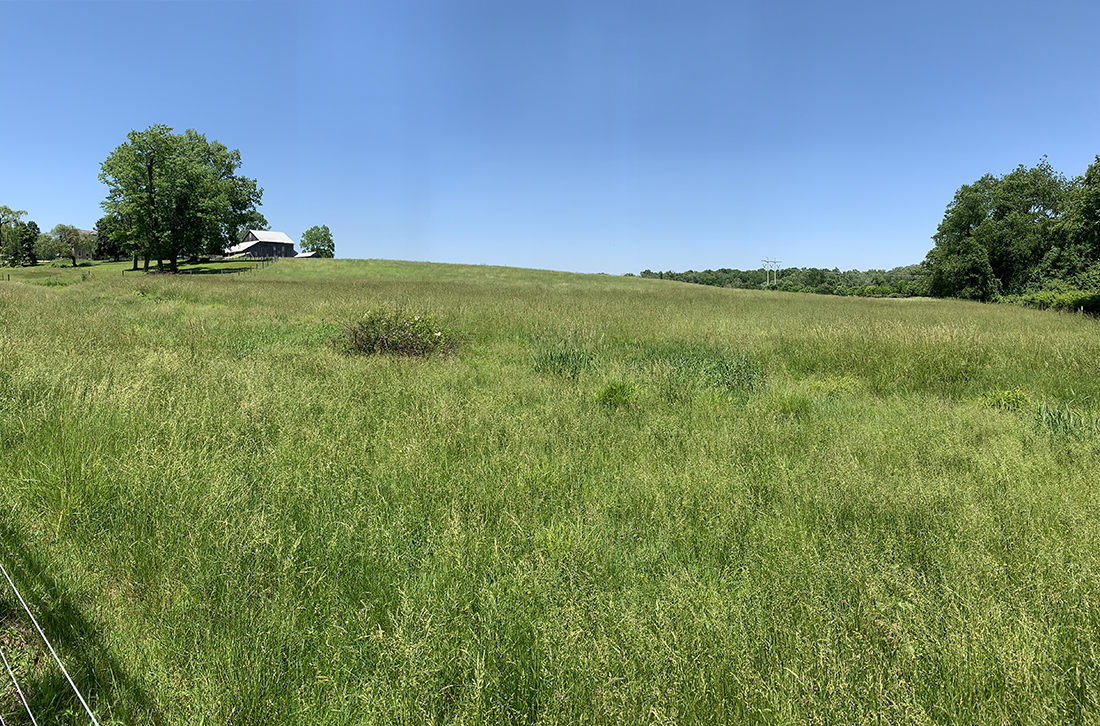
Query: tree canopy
[[71, 242], [1027, 230], [319, 240], [171, 195]]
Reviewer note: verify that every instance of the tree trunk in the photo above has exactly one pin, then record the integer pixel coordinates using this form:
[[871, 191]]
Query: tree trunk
[[135, 262], [172, 263], [147, 262]]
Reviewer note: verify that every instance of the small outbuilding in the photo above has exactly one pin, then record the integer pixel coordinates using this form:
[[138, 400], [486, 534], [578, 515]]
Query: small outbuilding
[[311, 253], [263, 243]]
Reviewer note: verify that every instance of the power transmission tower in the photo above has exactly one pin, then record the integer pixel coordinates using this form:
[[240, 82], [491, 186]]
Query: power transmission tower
[[771, 272]]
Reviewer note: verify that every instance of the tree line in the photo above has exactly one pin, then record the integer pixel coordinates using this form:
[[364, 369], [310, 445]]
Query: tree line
[[1030, 236], [23, 243], [898, 282]]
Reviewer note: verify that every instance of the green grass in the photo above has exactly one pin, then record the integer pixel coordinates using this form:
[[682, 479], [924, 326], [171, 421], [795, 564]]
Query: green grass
[[621, 501]]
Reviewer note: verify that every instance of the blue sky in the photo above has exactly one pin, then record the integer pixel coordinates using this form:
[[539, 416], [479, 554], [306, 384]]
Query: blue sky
[[597, 136]]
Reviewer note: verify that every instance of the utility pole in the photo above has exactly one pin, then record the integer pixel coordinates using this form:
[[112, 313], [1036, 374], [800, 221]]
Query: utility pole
[[771, 272]]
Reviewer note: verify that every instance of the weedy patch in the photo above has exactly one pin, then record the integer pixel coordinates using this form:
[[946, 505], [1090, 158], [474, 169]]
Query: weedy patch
[[686, 370], [396, 330], [617, 394], [1065, 420], [1015, 399], [794, 405], [51, 282], [566, 358]]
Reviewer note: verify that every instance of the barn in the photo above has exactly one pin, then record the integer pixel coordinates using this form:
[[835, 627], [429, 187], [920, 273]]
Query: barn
[[263, 243]]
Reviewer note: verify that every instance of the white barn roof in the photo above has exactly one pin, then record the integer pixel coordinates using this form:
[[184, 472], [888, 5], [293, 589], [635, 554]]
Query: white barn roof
[[256, 236], [261, 235]]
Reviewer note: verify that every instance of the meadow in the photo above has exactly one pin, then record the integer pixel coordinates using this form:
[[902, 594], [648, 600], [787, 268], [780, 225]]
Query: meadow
[[620, 500]]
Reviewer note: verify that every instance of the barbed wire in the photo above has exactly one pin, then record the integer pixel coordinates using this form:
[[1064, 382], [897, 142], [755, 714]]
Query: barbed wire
[[52, 652]]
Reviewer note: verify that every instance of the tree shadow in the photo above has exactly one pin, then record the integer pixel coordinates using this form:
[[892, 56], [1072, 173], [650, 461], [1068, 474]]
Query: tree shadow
[[111, 693]]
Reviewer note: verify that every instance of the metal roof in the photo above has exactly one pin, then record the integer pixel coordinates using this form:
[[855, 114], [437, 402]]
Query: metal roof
[[269, 237], [262, 235], [239, 247]]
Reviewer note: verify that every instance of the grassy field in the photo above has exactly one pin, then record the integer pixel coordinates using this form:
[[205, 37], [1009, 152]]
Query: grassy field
[[621, 501]]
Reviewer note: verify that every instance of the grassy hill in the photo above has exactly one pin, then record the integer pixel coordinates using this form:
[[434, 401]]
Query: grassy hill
[[622, 500]]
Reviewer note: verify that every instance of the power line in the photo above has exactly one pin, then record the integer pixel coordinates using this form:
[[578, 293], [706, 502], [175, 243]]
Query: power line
[[52, 651]]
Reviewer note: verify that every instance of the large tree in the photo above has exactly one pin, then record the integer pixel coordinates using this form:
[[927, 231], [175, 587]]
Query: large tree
[[9, 215], [11, 248], [17, 247], [48, 247], [176, 194], [71, 241], [30, 236], [110, 237], [319, 240], [997, 231]]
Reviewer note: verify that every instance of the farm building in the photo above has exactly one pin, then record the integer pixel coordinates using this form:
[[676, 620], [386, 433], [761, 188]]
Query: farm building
[[311, 253], [261, 243]]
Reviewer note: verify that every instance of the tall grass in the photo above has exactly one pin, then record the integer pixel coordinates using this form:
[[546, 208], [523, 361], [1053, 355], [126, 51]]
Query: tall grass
[[808, 511]]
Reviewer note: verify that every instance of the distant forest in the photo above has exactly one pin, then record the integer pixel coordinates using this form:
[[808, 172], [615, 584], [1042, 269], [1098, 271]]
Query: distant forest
[[1029, 237], [898, 282]]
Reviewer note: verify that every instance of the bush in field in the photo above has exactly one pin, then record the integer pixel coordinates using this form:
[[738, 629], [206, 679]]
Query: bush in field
[[398, 331]]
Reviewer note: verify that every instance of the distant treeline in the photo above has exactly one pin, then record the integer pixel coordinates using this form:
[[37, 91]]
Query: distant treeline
[[1030, 237], [899, 282]]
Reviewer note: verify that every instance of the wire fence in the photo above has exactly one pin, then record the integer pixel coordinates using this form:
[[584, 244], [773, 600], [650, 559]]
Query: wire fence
[[11, 672], [255, 265]]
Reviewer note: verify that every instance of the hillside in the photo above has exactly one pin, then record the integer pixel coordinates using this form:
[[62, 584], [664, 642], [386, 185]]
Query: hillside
[[622, 500]]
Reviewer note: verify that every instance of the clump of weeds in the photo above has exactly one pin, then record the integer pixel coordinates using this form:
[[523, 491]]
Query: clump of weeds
[[397, 330]]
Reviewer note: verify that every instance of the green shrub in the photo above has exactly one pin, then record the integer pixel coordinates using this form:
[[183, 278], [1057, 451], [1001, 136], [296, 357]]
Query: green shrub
[[397, 331], [1070, 301], [617, 394]]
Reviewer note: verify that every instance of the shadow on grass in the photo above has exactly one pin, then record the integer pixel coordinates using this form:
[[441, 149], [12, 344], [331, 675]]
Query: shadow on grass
[[112, 694]]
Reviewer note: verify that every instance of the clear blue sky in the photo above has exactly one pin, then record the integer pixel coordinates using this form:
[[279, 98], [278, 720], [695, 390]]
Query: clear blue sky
[[595, 136]]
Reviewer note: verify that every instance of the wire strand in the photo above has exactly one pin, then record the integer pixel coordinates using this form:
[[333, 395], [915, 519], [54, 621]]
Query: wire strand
[[52, 651], [17, 688]]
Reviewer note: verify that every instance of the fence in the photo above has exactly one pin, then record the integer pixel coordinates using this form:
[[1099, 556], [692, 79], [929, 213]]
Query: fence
[[258, 264], [11, 672]]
